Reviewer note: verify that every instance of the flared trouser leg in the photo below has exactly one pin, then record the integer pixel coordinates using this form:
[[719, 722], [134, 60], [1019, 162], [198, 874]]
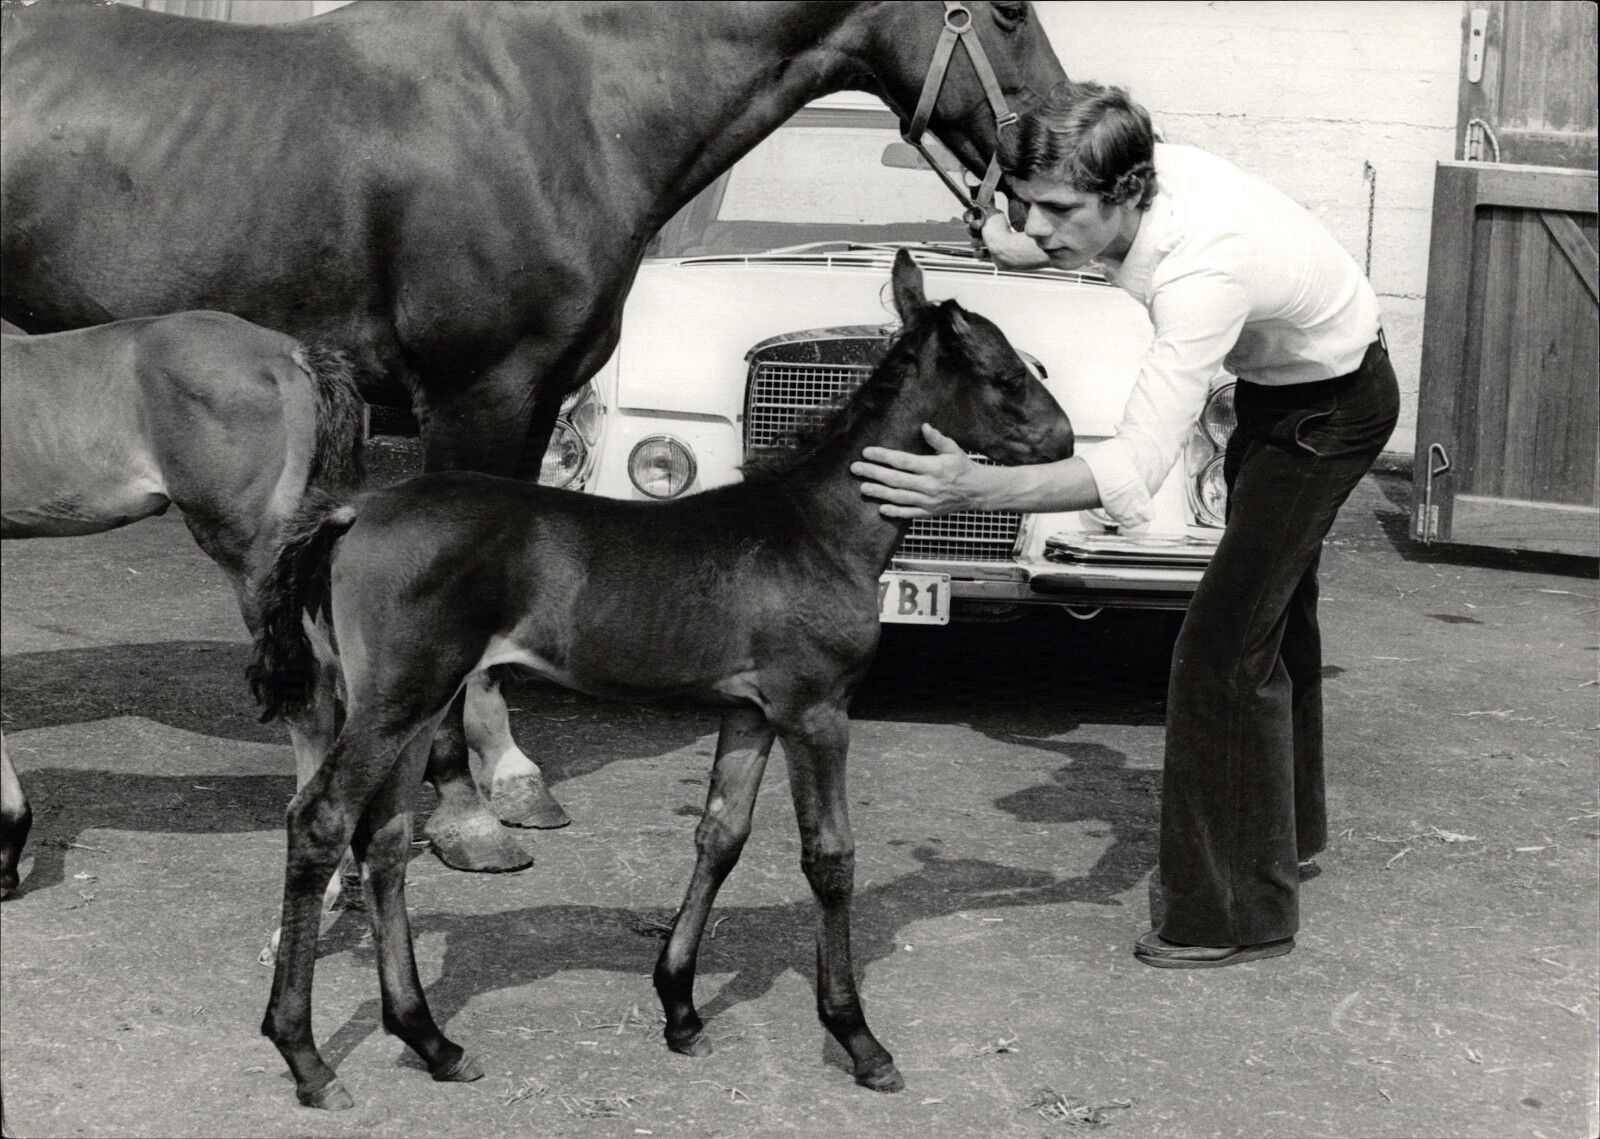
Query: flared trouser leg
[[1242, 789]]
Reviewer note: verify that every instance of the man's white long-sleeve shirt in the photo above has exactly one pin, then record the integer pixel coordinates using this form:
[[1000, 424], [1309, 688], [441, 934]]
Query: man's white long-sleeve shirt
[[1236, 277]]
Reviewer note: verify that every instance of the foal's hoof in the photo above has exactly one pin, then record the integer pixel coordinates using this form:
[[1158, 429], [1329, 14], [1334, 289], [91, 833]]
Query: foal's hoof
[[475, 842], [525, 801], [329, 1097], [696, 1045], [462, 1070], [884, 1079]]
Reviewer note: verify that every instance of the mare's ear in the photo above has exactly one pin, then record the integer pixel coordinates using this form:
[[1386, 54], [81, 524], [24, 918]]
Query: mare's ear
[[907, 280]]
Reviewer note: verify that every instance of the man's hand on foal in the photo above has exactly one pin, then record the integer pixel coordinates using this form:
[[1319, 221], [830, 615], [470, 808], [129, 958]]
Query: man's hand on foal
[[923, 486]]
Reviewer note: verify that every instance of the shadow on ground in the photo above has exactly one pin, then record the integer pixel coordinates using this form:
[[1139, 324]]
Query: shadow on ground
[[758, 944], [1396, 527]]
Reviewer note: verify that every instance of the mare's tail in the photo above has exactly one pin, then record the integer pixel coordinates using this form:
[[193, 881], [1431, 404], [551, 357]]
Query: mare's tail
[[283, 673], [336, 460]]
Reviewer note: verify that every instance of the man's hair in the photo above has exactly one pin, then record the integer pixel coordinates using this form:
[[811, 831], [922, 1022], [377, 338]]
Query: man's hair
[[1092, 136]]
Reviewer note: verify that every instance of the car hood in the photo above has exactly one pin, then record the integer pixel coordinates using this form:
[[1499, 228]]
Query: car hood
[[689, 322]]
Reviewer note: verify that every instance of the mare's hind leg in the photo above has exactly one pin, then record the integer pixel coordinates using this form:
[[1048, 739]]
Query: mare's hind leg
[[816, 746], [383, 846], [489, 421], [464, 832], [16, 816], [742, 747], [321, 821], [513, 782]]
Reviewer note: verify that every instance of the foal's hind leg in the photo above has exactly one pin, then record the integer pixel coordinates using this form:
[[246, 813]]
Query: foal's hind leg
[[513, 782], [742, 748], [816, 747], [312, 731], [321, 821], [383, 845]]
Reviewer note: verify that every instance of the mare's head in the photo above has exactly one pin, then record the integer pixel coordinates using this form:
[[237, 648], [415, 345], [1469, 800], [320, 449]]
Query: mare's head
[[989, 402], [898, 40]]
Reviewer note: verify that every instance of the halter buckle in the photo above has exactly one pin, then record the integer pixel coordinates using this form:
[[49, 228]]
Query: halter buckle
[[950, 21]]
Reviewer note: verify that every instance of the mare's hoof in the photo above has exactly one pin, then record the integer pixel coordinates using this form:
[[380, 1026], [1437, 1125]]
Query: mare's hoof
[[462, 1070], [329, 1097], [884, 1079], [475, 842], [8, 884], [696, 1045], [525, 801]]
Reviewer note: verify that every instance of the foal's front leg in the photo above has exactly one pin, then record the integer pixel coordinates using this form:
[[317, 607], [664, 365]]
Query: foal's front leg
[[816, 747], [742, 748]]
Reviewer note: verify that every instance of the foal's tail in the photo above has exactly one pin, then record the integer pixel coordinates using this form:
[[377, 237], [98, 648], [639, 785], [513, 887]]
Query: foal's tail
[[336, 460], [283, 673]]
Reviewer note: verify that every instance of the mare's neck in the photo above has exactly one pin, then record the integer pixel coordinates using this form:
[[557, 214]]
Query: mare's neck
[[680, 92]]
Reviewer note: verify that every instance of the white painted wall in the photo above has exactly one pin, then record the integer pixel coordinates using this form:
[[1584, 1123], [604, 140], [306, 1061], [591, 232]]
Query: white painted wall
[[1303, 95]]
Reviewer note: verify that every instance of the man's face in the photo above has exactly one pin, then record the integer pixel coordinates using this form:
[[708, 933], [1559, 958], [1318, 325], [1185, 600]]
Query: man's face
[[1071, 226]]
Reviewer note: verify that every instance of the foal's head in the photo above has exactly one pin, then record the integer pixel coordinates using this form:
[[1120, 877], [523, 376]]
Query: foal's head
[[992, 403]]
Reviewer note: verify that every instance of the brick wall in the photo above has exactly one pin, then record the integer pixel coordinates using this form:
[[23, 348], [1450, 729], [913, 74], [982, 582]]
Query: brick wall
[[1305, 95]]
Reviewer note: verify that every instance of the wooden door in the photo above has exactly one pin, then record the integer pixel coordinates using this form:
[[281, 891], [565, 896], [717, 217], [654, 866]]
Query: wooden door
[[1506, 421], [1506, 414], [1528, 90]]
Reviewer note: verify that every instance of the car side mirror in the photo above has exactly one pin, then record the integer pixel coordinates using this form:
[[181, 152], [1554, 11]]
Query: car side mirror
[[904, 156]]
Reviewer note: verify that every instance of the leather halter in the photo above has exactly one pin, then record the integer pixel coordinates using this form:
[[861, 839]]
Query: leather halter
[[958, 29]]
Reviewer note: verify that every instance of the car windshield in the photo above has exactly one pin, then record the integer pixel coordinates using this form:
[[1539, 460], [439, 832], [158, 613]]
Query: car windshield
[[827, 175]]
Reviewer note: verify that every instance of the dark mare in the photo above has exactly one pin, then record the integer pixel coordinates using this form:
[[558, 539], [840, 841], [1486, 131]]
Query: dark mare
[[764, 601], [229, 422], [459, 193]]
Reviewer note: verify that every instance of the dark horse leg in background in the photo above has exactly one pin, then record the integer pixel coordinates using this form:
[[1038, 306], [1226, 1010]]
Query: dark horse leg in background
[[493, 425]]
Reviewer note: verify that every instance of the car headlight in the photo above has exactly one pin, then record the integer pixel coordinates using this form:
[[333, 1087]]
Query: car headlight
[[661, 466], [1210, 494], [1218, 419], [566, 459], [1203, 458], [582, 409]]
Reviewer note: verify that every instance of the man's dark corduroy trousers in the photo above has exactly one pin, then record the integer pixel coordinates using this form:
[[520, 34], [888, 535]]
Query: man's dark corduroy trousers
[[1242, 795]]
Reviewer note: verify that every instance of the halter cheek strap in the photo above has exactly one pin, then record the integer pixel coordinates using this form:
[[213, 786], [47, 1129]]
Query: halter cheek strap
[[958, 29]]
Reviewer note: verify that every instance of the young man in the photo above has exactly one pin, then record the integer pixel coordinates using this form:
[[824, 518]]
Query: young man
[[1236, 276]]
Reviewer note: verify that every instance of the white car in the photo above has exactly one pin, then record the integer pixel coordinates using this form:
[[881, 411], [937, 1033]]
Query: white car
[[766, 298]]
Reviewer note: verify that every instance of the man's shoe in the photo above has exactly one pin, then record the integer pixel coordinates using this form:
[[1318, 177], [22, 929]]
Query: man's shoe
[[1157, 951]]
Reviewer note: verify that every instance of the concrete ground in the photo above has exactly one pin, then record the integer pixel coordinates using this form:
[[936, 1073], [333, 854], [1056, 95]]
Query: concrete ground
[[1004, 783]]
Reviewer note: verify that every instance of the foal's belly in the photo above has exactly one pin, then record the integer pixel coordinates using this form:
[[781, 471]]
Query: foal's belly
[[640, 675]]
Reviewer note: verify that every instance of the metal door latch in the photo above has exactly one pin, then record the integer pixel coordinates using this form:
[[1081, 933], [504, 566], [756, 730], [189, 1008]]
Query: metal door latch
[[1427, 524]]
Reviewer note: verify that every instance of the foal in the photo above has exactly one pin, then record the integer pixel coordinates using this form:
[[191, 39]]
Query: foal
[[229, 422], [763, 599]]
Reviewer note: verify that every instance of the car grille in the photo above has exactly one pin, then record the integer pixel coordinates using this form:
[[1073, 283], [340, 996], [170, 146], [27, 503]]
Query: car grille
[[784, 396]]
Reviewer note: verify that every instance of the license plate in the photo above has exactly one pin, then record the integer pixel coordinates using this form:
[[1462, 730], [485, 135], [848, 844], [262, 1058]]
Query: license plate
[[914, 598]]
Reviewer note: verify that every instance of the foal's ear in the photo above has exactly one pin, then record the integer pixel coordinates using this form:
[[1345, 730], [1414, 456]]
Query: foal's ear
[[907, 279]]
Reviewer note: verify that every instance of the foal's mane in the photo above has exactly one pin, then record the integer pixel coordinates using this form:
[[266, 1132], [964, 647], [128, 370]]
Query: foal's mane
[[810, 438]]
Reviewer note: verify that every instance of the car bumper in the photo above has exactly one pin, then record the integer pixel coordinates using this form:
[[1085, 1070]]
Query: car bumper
[[1039, 581]]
